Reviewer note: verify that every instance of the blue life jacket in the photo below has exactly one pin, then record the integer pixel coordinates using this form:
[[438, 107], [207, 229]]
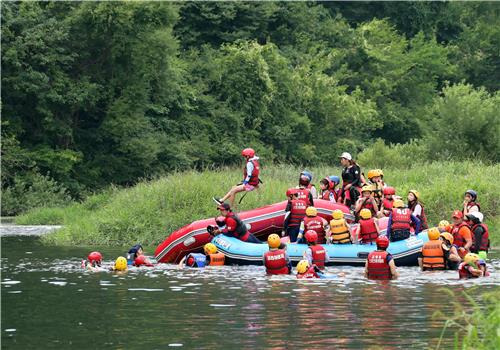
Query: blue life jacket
[[200, 260]]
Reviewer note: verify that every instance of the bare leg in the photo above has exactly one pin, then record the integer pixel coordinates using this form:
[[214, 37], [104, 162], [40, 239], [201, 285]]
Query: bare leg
[[232, 193]]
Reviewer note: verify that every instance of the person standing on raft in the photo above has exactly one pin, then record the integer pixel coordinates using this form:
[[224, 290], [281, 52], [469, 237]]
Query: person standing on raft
[[233, 226], [351, 179], [251, 179], [380, 264]]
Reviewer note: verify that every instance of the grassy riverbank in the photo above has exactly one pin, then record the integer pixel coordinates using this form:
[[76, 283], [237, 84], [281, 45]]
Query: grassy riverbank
[[148, 212]]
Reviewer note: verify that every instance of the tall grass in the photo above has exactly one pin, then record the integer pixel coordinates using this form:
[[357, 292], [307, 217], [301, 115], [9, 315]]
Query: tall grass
[[477, 327], [152, 209]]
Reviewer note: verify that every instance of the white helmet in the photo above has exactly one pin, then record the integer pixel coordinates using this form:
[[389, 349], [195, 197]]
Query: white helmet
[[477, 215]]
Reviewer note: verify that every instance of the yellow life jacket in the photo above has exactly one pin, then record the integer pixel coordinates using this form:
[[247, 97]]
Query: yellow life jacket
[[340, 231], [216, 259]]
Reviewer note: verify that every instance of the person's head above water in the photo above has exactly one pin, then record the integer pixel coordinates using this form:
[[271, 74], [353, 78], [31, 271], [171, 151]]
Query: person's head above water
[[135, 251]]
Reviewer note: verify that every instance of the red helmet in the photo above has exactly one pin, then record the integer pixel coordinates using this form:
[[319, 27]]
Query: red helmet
[[190, 261], [457, 214], [311, 236], [389, 190], [248, 152], [291, 191], [95, 257], [382, 242]]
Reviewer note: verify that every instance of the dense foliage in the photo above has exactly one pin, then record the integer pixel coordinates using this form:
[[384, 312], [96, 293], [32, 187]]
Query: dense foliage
[[95, 93]]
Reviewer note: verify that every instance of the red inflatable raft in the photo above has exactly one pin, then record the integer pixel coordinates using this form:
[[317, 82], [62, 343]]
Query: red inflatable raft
[[261, 222]]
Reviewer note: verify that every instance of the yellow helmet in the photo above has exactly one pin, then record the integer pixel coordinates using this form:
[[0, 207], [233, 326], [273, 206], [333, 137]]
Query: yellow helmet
[[415, 193], [380, 172], [311, 211], [337, 214], [443, 224], [398, 203], [210, 248], [121, 264], [365, 213], [302, 266], [367, 188], [273, 241], [433, 234], [372, 173], [448, 236], [471, 258]]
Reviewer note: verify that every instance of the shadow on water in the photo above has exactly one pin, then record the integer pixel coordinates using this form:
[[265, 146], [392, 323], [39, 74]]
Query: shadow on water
[[49, 302]]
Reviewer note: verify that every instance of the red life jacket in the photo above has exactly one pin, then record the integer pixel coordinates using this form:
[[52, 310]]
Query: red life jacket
[[317, 224], [458, 239], [276, 263], [318, 255], [367, 204], [484, 244], [378, 268], [304, 195], [367, 231], [463, 272], [387, 206], [254, 177], [310, 273], [422, 217], [240, 231], [401, 219], [297, 212], [325, 195]]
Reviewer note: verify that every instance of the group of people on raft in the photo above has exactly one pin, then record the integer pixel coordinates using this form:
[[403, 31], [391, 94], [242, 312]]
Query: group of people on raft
[[461, 245]]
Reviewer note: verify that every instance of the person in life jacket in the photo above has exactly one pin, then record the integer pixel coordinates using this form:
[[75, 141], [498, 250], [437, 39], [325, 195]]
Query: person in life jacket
[[211, 257], [313, 222], [133, 253], [375, 179], [461, 233], [387, 202], [295, 212], [306, 270], [379, 263], [93, 262], [443, 225], [339, 232], [417, 208], [276, 260], [366, 201], [432, 255], [250, 181], [351, 179], [472, 267], [142, 260], [400, 221], [233, 226], [450, 251], [315, 253], [327, 190], [368, 230], [470, 205], [480, 234], [305, 182]]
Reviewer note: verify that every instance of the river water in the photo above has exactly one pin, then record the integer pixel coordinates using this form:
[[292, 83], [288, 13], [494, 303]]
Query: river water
[[48, 301]]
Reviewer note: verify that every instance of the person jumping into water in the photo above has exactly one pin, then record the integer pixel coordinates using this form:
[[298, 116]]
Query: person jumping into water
[[251, 179]]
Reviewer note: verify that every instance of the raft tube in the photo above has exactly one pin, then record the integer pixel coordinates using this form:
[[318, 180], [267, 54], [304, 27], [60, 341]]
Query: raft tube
[[405, 252], [261, 222]]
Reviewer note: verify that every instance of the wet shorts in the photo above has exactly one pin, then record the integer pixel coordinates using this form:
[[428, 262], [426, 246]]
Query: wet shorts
[[249, 188]]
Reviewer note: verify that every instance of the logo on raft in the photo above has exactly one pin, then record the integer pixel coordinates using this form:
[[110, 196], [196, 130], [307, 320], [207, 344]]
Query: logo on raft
[[222, 242], [413, 242]]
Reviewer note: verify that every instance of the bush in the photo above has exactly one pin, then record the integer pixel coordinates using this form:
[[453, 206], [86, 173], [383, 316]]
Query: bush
[[380, 155]]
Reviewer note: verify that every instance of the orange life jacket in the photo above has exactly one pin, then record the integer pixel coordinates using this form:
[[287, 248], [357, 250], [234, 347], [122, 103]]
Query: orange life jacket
[[216, 259], [433, 256]]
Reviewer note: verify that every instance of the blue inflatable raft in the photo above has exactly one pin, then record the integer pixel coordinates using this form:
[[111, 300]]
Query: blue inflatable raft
[[405, 252]]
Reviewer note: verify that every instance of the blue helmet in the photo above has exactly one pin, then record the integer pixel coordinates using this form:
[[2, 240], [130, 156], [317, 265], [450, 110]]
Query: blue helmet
[[305, 177], [472, 193], [334, 179]]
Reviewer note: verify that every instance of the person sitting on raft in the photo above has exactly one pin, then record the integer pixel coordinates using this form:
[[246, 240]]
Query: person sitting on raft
[[432, 256], [443, 225], [211, 257], [313, 222], [120, 265], [368, 230], [305, 183], [93, 262], [276, 260], [417, 208], [366, 201], [339, 232], [380, 264], [375, 179], [315, 253], [133, 253], [251, 179], [400, 220], [351, 180], [450, 251], [328, 192], [461, 233], [387, 202], [308, 270], [295, 212], [480, 234], [232, 226], [469, 204], [472, 267]]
